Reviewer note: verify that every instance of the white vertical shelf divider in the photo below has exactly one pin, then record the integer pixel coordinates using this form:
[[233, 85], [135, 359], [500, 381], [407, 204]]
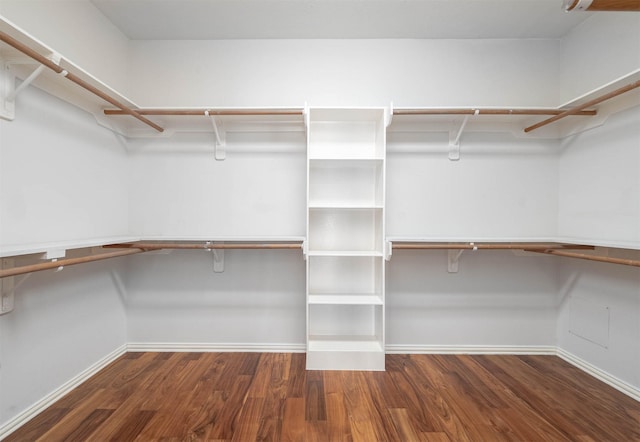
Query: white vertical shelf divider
[[346, 151]]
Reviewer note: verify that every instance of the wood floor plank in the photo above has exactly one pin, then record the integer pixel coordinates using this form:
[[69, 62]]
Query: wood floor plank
[[338, 427], [315, 407], [276, 393], [423, 385], [249, 419], [270, 396], [132, 426], [403, 425], [89, 425], [293, 423], [74, 418], [38, 425], [364, 419]]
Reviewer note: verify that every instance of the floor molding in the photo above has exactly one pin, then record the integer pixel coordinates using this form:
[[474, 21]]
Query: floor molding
[[213, 347], [473, 349], [600, 374], [32, 411]]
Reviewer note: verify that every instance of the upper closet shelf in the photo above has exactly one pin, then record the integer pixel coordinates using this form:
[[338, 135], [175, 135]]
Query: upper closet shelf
[[585, 112], [33, 62]]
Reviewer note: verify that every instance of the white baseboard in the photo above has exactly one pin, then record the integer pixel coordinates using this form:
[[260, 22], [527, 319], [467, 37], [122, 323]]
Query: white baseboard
[[213, 347], [473, 349], [602, 375], [28, 414]]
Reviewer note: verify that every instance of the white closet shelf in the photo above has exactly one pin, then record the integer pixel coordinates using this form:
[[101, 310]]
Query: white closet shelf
[[329, 205], [37, 248], [558, 249], [87, 251], [344, 161], [346, 253], [342, 343], [345, 298]]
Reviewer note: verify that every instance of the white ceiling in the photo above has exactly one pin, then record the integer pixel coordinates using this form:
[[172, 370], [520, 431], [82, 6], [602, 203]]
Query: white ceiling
[[257, 19]]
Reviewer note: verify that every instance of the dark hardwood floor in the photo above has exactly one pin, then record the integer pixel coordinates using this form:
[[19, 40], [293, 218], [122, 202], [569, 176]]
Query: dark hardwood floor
[[270, 396]]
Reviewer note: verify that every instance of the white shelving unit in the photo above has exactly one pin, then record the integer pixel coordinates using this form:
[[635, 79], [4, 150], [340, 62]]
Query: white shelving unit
[[345, 239]]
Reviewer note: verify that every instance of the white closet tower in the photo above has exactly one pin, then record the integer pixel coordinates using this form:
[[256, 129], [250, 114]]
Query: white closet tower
[[345, 239]]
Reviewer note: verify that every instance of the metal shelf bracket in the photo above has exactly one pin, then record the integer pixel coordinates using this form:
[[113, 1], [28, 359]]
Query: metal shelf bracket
[[454, 138], [218, 258], [454, 258], [7, 88], [7, 288], [220, 151]]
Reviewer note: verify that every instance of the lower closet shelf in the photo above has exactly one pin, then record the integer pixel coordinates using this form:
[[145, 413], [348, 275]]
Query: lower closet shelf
[[344, 343], [345, 353]]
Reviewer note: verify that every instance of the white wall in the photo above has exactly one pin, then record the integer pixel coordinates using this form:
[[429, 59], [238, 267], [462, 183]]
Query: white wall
[[599, 183], [501, 188], [178, 189], [598, 319], [599, 203], [348, 73], [495, 299], [604, 47], [62, 177], [79, 32], [62, 324], [176, 298]]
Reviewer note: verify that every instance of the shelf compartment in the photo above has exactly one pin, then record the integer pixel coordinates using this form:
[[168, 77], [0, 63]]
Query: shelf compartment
[[345, 274], [346, 183], [362, 321], [360, 354], [344, 139], [346, 133], [345, 337], [345, 229]]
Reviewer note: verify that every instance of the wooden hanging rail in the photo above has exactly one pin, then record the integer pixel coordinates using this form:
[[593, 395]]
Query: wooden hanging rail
[[576, 110], [480, 111], [300, 111], [75, 79], [609, 259], [208, 245], [21, 270], [487, 246], [211, 112]]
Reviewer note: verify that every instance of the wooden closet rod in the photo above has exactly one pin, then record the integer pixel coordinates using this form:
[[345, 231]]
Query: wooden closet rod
[[207, 245], [80, 82], [296, 111], [589, 103], [214, 112], [21, 270], [487, 246], [601, 5], [463, 111], [624, 261]]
